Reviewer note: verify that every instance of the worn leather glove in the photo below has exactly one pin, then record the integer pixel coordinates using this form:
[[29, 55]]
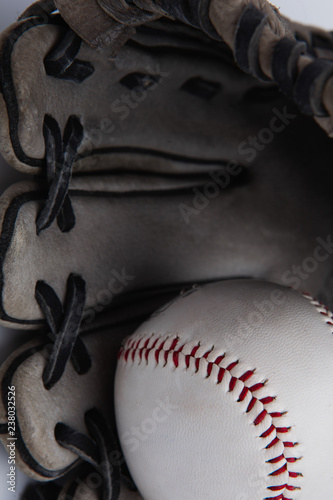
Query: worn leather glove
[[171, 143]]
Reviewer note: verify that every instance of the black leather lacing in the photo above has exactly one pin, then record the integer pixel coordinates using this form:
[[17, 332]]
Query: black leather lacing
[[60, 154], [97, 449], [247, 38], [315, 42], [285, 60], [192, 12], [309, 87], [126, 12], [64, 323], [305, 88], [61, 61]]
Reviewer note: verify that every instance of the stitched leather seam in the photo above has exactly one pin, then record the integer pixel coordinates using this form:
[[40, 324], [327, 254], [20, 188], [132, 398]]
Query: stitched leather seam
[[325, 313], [150, 349]]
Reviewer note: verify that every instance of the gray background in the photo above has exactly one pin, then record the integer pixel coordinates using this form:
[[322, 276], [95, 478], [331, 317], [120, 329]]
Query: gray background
[[318, 12]]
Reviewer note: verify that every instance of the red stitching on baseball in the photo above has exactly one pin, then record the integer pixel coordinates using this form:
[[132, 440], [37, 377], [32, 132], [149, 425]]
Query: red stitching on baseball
[[257, 387], [209, 369], [205, 356], [268, 432], [232, 383], [260, 417], [194, 350], [273, 443], [266, 401], [283, 430], [220, 375], [232, 366], [251, 404], [132, 348], [276, 460], [219, 359], [246, 376], [277, 414], [243, 394], [295, 474], [321, 309]]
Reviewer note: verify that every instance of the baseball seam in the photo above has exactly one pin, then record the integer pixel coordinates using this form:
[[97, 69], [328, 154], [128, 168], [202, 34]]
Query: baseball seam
[[167, 350], [324, 312]]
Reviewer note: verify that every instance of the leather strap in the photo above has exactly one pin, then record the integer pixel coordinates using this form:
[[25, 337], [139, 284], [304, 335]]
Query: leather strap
[[93, 24], [284, 65], [247, 39], [310, 85], [192, 12]]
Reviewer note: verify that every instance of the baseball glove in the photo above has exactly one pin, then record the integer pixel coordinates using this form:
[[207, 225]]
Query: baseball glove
[[64, 411], [200, 153], [171, 143]]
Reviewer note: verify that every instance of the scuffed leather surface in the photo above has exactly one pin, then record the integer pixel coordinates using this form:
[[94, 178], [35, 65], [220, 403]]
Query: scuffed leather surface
[[224, 17], [164, 120], [92, 24], [207, 444], [38, 410], [260, 229]]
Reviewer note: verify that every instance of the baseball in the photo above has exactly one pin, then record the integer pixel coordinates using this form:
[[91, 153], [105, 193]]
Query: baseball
[[227, 393]]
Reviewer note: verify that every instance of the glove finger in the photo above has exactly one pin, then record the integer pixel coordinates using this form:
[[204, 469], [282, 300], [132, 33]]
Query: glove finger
[[160, 105], [39, 410]]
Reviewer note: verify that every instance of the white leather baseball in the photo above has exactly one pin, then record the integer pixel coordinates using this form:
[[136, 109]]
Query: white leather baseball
[[227, 393]]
